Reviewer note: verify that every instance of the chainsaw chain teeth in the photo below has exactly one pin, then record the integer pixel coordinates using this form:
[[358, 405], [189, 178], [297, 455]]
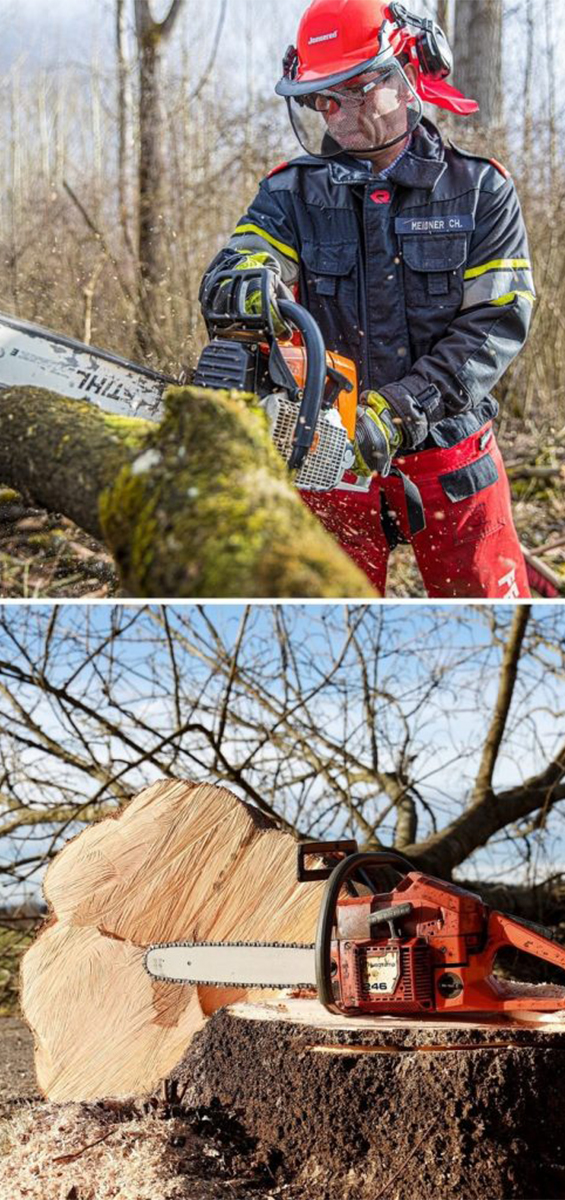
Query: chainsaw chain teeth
[[231, 984]]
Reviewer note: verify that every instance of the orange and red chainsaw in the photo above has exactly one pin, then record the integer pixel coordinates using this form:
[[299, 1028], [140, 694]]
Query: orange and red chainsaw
[[422, 946]]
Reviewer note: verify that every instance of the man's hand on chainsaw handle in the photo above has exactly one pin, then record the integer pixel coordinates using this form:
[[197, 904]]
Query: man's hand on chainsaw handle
[[378, 435], [269, 264]]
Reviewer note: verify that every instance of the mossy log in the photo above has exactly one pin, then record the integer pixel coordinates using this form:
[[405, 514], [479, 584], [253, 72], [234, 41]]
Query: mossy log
[[200, 505], [383, 1109], [181, 862]]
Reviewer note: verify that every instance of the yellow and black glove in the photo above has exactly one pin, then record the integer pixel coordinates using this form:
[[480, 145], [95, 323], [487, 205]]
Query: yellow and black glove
[[253, 301], [378, 435]]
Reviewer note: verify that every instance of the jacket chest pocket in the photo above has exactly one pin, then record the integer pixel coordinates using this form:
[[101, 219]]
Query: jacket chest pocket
[[332, 289], [434, 268]]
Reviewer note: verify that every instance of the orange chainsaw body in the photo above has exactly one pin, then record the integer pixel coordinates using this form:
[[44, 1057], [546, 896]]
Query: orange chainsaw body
[[438, 956], [346, 402]]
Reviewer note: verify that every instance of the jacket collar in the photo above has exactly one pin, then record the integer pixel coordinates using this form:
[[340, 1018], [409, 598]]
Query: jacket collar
[[421, 167], [424, 164]]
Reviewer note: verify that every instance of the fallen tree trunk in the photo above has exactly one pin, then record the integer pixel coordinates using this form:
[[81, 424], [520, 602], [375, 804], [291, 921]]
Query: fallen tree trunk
[[180, 862], [384, 1109], [200, 505]]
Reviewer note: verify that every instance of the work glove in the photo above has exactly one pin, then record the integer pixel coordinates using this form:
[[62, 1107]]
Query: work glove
[[253, 300], [378, 435]]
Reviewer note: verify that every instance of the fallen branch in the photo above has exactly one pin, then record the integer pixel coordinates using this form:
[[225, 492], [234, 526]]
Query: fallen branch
[[67, 1158], [525, 472], [546, 581]]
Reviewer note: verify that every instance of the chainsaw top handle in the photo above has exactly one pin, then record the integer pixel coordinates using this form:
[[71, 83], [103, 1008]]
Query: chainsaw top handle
[[229, 305], [338, 878]]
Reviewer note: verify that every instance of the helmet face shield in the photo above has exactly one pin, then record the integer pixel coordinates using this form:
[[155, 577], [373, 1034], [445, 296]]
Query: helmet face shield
[[365, 114]]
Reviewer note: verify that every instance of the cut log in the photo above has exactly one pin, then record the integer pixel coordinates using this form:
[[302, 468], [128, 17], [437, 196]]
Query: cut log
[[180, 862], [388, 1109], [200, 505]]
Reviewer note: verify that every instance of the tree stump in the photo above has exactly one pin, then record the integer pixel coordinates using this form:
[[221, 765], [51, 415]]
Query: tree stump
[[389, 1109], [180, 862]]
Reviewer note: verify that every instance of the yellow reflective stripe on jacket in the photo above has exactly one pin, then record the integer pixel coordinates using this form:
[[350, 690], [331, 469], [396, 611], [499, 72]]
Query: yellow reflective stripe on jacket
[[510, 296], [289, 251], [494, 286], [498, 264]]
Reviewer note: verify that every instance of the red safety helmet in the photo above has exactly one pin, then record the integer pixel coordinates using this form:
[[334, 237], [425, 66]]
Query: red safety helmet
[[339, 39]]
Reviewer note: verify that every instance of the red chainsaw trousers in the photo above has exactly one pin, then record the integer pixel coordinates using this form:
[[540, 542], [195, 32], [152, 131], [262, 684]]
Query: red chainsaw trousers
[[469, 547]]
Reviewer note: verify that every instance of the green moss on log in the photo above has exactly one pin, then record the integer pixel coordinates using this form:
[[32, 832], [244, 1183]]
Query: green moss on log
[[200, 505], [207, 509]]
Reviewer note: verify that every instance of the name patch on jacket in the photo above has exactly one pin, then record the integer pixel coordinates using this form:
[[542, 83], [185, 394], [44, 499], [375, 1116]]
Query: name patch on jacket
[[452, 223]]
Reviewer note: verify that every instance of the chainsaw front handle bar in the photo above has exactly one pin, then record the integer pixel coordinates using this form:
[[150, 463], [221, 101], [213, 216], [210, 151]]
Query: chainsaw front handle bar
[[314, 383], [244, 301], [338, 878]]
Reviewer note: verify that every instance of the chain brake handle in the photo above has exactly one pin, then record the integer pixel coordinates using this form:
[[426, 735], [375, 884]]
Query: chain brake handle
[[230, 290]]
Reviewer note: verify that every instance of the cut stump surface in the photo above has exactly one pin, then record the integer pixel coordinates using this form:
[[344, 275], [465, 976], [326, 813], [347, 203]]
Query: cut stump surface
[[181, 862]]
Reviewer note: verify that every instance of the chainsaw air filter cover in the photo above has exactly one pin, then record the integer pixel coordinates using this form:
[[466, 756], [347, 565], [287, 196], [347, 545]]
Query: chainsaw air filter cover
[[331, 453]]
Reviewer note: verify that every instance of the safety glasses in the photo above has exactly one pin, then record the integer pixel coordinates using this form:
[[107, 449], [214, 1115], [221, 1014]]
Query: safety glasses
[[365, 114]]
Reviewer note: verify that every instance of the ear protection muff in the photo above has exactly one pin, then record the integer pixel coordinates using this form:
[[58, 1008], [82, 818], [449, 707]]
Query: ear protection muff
[[290, 62], [431, 45]]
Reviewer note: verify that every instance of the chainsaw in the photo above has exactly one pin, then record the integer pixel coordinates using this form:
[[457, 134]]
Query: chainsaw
[[309, 394], [421, 947]]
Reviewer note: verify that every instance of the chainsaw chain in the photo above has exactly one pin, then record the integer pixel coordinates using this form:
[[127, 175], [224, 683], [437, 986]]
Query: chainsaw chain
[[230, 984]]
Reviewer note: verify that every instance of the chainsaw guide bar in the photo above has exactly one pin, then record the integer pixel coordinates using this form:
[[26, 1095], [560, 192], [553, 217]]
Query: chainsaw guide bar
[[220, 964]]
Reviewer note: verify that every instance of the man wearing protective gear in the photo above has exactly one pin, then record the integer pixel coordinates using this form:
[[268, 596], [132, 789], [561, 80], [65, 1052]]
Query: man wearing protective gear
[[412, 256]]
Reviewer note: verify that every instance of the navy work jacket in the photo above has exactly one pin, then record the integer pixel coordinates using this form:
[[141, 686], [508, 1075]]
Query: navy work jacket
[[423, 278]]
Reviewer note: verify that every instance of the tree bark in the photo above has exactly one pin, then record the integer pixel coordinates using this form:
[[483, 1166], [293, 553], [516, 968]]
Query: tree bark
[[181, 862], [396, 1109], [151, 38], [478, 57], [200, 505], [124, 119]]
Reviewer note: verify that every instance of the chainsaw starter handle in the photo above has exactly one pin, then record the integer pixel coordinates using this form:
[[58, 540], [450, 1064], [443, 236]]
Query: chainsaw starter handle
[[314, 383], [336, 881]]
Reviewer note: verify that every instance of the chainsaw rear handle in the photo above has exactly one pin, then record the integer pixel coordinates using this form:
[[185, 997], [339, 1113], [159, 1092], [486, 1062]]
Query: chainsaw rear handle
[[526, 936], [339, 877]]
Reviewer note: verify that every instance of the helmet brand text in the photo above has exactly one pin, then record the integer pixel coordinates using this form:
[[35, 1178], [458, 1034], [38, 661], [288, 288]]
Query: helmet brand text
[[324, 37]]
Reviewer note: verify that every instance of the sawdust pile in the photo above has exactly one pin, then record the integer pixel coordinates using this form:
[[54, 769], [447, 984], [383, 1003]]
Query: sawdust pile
[[120, 1152], [68, 1152]]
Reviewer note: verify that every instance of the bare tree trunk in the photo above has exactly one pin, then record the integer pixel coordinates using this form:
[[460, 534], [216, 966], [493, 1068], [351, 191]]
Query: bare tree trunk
[[478, 56], [528, 121], [151, 38], [550, 26], [443, 15], [124, 120]]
